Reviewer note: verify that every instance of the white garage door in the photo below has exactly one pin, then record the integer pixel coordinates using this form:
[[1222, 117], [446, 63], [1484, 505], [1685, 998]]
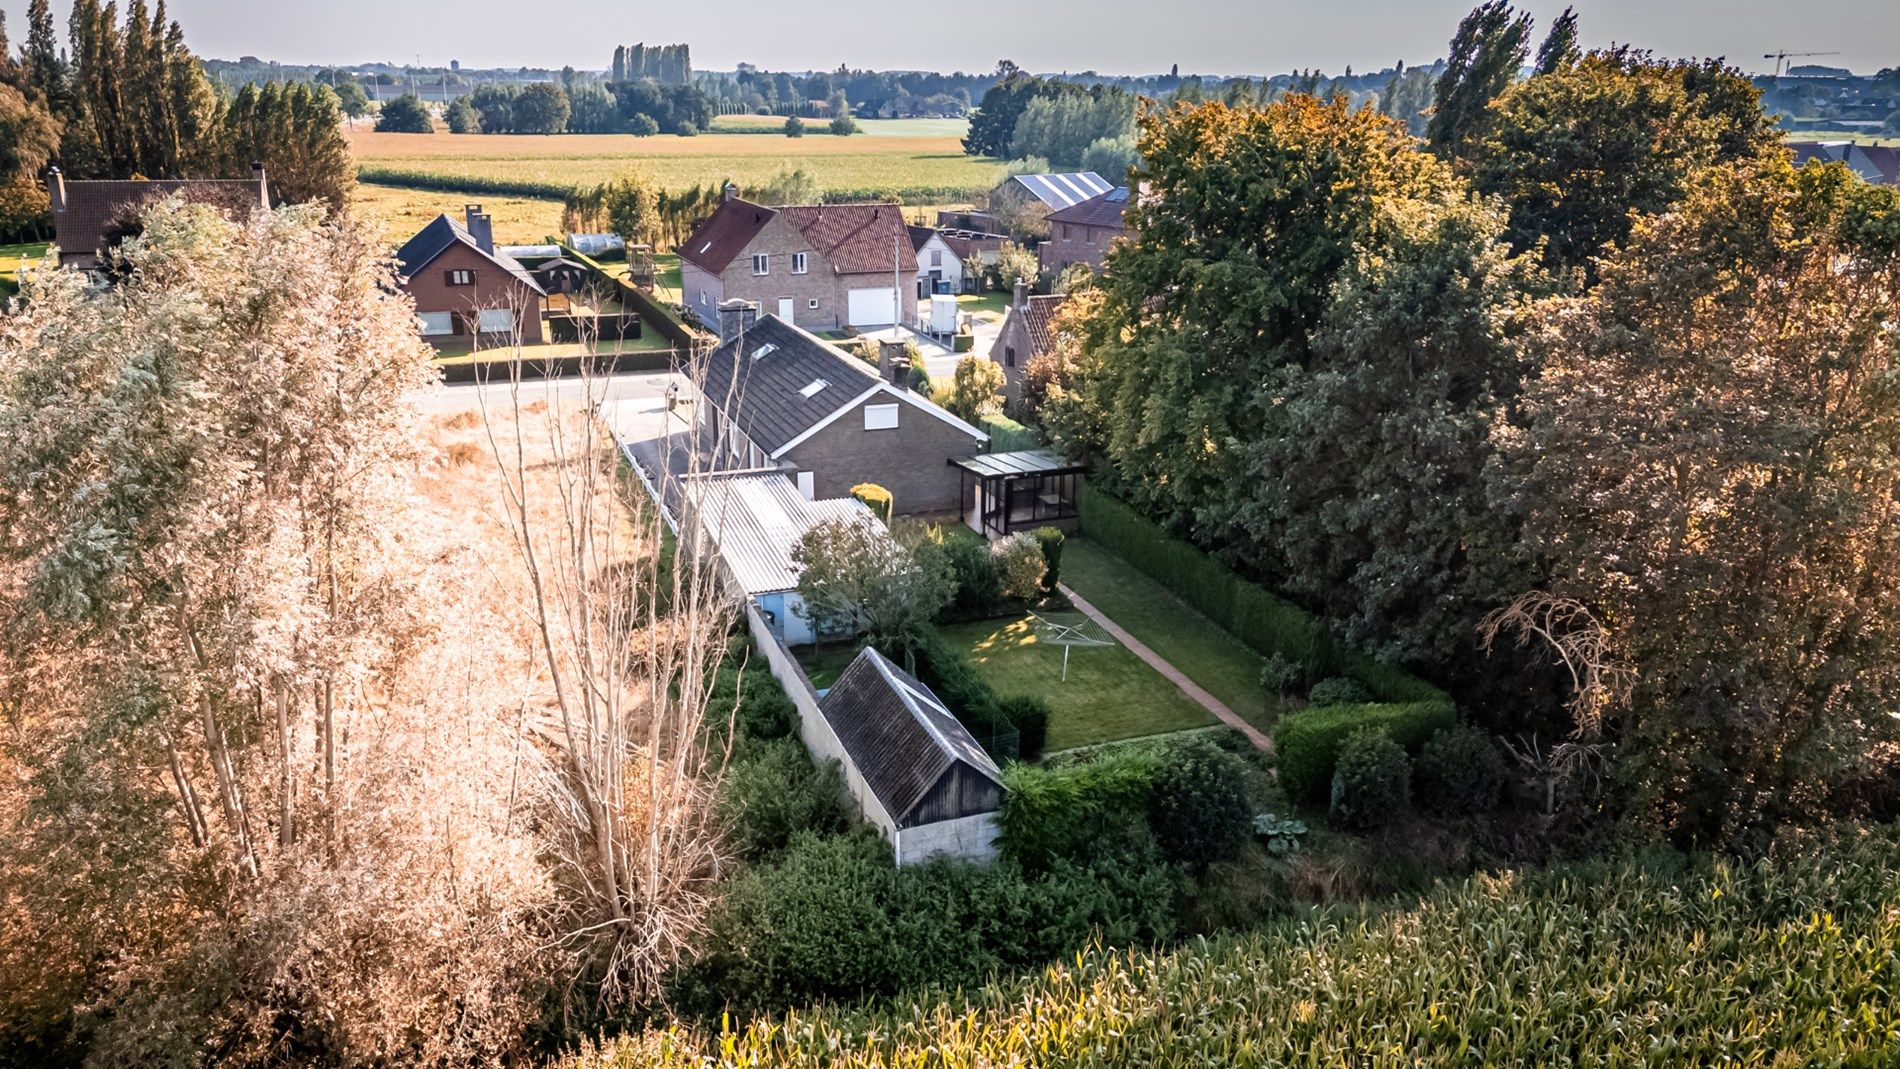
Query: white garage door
[[871, 308]]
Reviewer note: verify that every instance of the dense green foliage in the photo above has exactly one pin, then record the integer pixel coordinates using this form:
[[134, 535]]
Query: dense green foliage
[[1459, 772], [1338, 690], [1372, 780], [1486, 54], [1307, 743], [405, 115], [1198, 805], [1051, 539], [772, 792], [1651, 960]]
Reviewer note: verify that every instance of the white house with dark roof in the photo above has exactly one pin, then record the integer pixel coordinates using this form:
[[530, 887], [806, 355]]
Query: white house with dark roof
[[775, 396]]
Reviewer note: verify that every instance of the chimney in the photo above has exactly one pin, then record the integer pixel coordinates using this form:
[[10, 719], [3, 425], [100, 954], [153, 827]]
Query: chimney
[[730, 192], [735, 317], [263, 187], [893, 363], [56, 189], [1022, 294], [481, 228]]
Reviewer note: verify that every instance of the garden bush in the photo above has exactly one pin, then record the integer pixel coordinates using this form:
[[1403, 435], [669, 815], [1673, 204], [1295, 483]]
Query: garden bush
[[1051, 812], [772, 791], [1372, 782], [1029, 715], [876, 498], [1020, 566], [1280, 676], [1306, 743], [1197, 805], [1051, 539], [979, 585], [1459, 772], [1338, 691]]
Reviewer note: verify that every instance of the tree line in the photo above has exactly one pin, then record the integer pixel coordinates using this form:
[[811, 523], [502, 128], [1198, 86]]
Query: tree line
[[126, 98], [1578, 404]]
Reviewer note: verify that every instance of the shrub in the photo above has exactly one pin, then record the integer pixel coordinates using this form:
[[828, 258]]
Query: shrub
[[1020, 566], [1460, 772], [1306, 744], [979, 584], [642, 125], [1279, 675], [687, 129], [794, 126], [876, 498], [1051, 812], [765, 710], [773, 791], [1051, 539], [1372, 782], [1280, 835], [1338, 691], [1198, 805], [1029, 715], [843, 125]]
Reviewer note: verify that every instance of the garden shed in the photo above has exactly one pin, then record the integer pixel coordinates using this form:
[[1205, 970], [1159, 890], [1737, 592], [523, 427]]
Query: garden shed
[[916, 772]]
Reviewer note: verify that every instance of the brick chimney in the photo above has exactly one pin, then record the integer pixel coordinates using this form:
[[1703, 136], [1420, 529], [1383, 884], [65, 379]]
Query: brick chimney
[[735, 317], [480, 227], [893, 363], [56, 189], [1022, 294]]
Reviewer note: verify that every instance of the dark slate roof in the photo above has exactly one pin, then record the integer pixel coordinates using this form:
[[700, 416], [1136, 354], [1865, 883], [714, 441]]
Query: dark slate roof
[[1105, 210], [901, 737], [920, 236], [762, 393], [1038, 314], [432, 240], [558, 263], [855, 238], [1062, 190], [94, 211]]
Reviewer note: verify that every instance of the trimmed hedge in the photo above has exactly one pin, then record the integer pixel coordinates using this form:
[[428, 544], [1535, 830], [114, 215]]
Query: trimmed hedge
[[875, 498], [649, 310], [1268, 623], [1052, 812], [433, 182], [1007, 435], [1306, 744]]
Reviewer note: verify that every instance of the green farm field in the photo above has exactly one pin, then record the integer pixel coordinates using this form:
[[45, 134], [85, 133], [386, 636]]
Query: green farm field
[[921, 158]]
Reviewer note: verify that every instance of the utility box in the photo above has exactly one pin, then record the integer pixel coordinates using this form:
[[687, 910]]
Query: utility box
[[943, 313]]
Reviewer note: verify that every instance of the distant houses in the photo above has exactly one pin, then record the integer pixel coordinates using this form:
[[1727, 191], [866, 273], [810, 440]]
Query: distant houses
[[1875, 163], [91, 218], [465, 289], [774, 396], [1027, 334], [819, 266], [1082, 233]]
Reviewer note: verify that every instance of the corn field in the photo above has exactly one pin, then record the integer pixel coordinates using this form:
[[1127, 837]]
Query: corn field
[[1793, 960]]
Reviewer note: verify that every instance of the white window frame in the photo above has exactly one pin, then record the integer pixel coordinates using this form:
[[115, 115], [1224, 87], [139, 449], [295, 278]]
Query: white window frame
[[799, 263], [761, 263], [936, 257], [435, 324], [495, 321], [881, 417], [812, 303]]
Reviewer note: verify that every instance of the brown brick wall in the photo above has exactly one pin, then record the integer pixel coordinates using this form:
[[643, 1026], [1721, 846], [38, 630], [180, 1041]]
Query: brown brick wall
[[911, 460], [494, 288], [779, 240], [1014, 337], [1071, 243]]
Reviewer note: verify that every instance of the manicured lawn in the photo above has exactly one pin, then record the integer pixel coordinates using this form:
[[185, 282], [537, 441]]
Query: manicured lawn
[[1196, 645], [14, 257], [1110, 694], [995, 303]]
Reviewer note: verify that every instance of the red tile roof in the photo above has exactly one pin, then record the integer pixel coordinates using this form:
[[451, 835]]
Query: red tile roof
[[1105, 210], [1038, 315], [855, 238]]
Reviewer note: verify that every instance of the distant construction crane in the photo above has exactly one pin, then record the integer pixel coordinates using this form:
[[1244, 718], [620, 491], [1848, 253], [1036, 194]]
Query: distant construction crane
[[1781, 58]]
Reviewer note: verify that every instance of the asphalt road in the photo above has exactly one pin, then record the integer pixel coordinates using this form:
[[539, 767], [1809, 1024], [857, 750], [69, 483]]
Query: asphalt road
[[496, 394]]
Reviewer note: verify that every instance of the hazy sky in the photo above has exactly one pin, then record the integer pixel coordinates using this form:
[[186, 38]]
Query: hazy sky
[[1113, 36]]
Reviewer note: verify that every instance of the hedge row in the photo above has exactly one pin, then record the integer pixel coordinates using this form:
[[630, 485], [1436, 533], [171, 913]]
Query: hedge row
[[475, 185], [650, 311], [1007, 435], [1268, 623], [1306, 743]]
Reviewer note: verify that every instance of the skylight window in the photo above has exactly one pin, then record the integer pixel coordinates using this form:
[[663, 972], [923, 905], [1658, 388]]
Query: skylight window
[[812, 390], [703, 249], [768, 347]]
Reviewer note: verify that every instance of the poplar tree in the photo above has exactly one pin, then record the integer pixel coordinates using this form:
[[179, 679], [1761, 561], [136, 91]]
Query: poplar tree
[[1486, 54]]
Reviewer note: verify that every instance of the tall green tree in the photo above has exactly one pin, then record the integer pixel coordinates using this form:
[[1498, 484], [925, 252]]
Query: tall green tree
[[1560, 44], [42, 68], [1710, 462], [405, 115], [541, 109], [1486, 54], [294, 129]]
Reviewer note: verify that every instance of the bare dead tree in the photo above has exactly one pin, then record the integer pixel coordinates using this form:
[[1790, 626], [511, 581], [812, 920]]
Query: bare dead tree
[[1599, 681]]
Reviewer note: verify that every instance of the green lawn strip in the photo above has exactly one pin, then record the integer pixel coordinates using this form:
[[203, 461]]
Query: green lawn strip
[[15, 257], [1209, 656], [996, 303], [1110, 693]]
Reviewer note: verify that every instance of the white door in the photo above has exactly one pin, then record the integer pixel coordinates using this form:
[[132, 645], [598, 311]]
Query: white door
[[785, 308], [872, 307]]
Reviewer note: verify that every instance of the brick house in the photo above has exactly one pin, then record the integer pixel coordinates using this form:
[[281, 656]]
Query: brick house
[[465, 290], [773, 396], [819, 266], [1021, 203], [1026, 334], [1082, 233], [91, 218]]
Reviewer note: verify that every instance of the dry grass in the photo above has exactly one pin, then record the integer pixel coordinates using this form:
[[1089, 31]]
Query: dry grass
[[399, 213], [848, 163]]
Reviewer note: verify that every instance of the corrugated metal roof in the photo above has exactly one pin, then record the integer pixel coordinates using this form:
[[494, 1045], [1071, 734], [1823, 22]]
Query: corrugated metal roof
[[1063, 190], [1025, 462], [755, 520], [901, 737]]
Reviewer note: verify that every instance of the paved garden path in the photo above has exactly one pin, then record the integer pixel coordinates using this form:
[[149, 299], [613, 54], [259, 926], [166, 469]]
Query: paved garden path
[[1174, 675]]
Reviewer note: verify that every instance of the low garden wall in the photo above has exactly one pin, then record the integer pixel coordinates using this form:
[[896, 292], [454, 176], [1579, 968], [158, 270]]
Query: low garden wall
[[649, 310]]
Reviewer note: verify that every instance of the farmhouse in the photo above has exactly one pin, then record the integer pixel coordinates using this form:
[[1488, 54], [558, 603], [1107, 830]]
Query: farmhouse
[[916, 773], [1026, 334], [91, 218], [1053, 192], [820, 266], [774, 396], [464, 288], [753, 520], [1082, 233]]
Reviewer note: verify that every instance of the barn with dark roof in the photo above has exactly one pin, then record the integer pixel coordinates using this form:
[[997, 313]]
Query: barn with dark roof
[[915, 771]]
